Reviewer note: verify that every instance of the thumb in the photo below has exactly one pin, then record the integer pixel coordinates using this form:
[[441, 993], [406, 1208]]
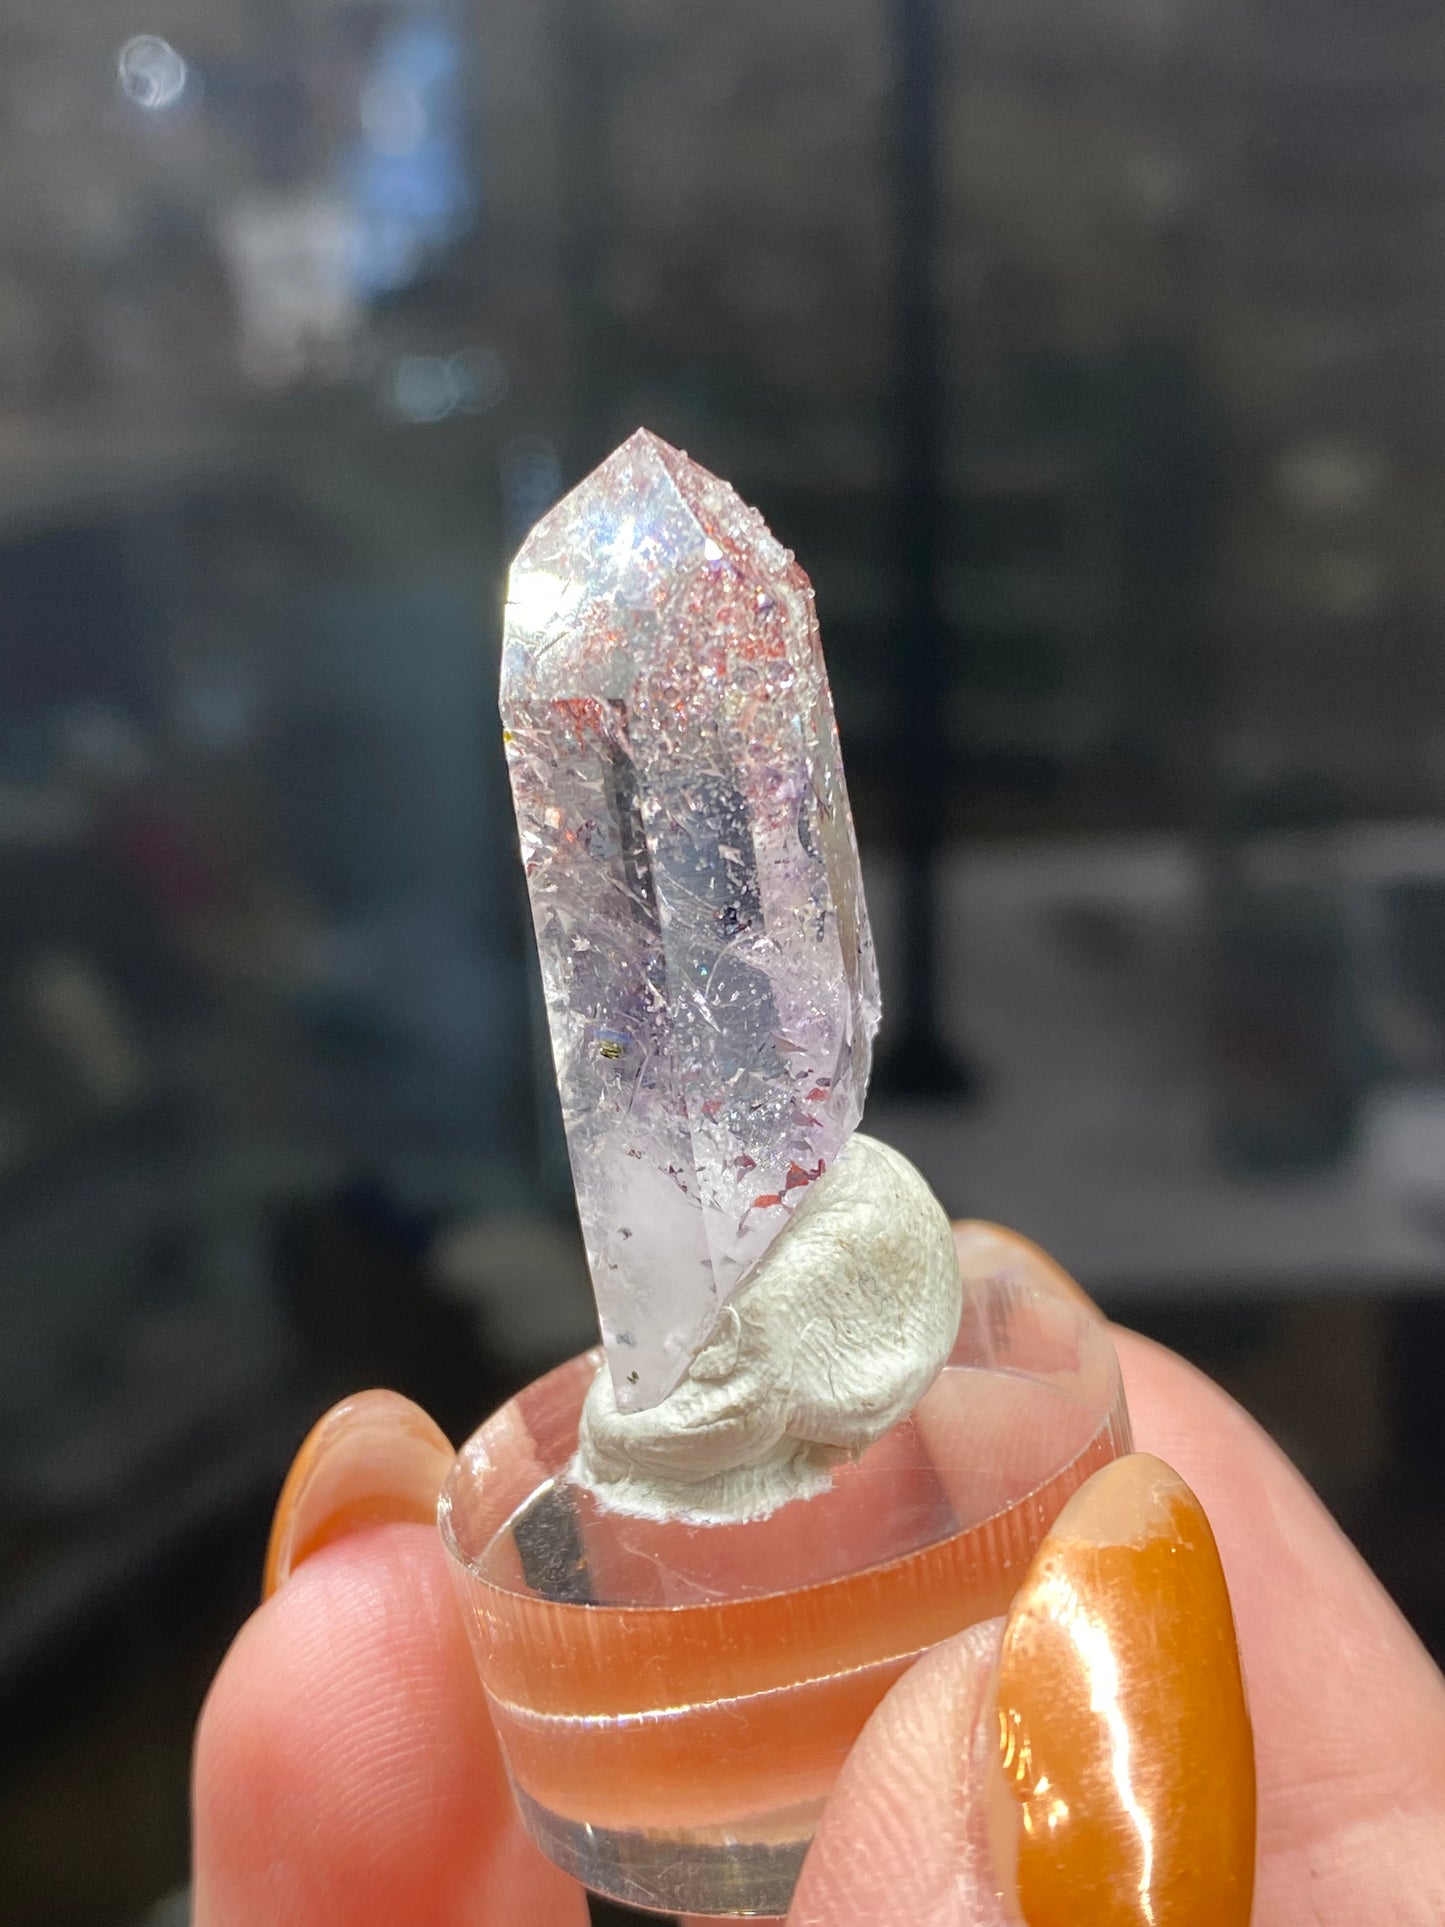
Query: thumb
[[905, 1835], [1086, 1762], [1095, 1753]]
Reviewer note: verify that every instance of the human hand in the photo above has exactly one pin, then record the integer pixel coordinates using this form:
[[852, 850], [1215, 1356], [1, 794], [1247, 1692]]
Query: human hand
[[346, 1772]]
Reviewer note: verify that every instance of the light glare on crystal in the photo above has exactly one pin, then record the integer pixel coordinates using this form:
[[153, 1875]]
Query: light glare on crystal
[[706, 957]]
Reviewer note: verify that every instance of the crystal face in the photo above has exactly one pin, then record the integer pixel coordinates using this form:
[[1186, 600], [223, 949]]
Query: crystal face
[[706, 957]]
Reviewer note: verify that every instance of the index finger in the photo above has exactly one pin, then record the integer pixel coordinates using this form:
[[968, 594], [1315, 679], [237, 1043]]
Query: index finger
[[346, 1771]]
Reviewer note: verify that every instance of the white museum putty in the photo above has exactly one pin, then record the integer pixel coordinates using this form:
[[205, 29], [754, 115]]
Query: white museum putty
[[841, 1329]]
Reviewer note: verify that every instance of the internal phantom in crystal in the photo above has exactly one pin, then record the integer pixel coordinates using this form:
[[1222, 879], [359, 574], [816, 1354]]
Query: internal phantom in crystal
[[706, 956]]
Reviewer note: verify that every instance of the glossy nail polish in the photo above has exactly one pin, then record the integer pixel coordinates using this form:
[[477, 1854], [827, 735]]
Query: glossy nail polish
[[374, 1459], [989, 1251], [1127, 1759]]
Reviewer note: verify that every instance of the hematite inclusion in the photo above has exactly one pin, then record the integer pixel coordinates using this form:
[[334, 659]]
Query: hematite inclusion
[[689, 849]]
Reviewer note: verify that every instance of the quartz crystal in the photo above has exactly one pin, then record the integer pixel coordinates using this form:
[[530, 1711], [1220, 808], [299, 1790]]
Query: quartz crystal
[[706, 957]]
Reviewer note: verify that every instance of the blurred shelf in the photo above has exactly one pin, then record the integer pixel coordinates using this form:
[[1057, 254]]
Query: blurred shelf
[[58, 466], [61, 466], [1093, 1134]]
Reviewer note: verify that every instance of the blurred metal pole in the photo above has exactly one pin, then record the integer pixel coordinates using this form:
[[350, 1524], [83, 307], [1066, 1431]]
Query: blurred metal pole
[[581, 60], [920, 1062]]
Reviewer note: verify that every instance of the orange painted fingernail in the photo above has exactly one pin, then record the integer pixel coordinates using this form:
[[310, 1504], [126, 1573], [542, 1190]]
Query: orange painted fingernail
[[989, 1251], [1128, 1762], [374, 1459]]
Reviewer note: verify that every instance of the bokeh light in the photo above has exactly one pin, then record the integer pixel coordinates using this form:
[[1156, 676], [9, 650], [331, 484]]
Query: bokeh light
[[152, 73]]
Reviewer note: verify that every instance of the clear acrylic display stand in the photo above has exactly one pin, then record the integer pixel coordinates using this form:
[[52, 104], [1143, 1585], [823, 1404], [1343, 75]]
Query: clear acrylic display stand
[[675, 1699]]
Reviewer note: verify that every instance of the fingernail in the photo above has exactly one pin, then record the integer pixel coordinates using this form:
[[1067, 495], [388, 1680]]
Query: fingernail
[[1128, 1795], [374, 1459], [989, 1251]]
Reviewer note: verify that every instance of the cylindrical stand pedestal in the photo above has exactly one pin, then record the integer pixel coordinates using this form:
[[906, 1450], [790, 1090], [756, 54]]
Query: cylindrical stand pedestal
[[675, 1699]]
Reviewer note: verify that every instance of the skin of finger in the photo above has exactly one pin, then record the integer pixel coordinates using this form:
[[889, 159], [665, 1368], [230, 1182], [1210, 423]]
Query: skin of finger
[[1348, 1709], [346, 1772], [1349, 1713], [900, 1845]]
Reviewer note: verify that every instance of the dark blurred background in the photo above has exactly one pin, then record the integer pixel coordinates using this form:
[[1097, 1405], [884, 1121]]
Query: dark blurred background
[[1091, 360]]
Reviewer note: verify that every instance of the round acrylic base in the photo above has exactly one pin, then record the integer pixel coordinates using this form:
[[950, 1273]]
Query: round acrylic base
[[674, 1699]]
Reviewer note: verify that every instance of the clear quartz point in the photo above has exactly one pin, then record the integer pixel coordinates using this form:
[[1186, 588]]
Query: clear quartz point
[[706, 956]]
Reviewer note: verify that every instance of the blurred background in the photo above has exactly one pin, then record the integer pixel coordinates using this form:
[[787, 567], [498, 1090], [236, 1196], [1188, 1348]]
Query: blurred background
[[1090, 358]]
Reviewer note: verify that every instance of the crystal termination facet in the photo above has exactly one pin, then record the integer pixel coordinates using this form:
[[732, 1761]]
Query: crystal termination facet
[[706, 957]]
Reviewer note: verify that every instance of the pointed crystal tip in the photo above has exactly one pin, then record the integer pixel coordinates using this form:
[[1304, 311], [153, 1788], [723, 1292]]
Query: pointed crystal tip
[[695, 887]]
